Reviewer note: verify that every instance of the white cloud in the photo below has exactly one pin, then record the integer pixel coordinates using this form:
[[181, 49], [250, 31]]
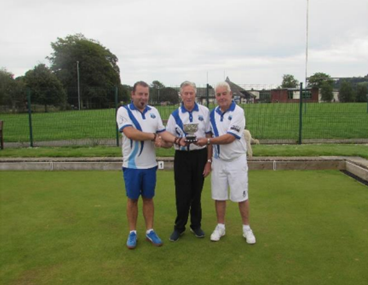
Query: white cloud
[[252, 42]]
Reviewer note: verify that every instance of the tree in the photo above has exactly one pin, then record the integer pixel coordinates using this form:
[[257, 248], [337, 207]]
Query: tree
[[157, 85], [346, 92], [361, 93], [317, 79], [288, 81], [326, 92], [170, 95], [6, 84], [46, 89], [96, 66], [155, 91], [124, 93], [12, 91]]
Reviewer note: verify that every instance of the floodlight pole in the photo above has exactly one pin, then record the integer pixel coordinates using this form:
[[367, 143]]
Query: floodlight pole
[[79, 104], [30, 117], [306, 46], [300, 112], [208, 95]]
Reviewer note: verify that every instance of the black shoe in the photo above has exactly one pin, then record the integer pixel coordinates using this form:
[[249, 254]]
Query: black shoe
[[175, 235], [199, 233]]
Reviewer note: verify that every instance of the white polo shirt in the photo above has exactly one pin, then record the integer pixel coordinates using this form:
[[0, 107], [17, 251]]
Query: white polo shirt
[[230, 122], [181, 116], [139, 154]]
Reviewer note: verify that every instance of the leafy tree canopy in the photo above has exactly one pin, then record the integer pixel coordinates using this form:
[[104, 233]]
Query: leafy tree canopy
[[346, 92], [326, 92], [6, 84], [12, 91], [361, 92], [45, 87], [96, 65], [170, 95], [288, 81], [157, 85], [317, 79]]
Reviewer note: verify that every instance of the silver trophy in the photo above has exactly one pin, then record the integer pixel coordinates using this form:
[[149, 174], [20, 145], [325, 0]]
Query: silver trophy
[[190, 129]]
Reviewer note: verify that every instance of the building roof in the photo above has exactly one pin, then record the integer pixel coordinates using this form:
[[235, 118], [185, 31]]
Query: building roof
[[238, 91], [202, 92]]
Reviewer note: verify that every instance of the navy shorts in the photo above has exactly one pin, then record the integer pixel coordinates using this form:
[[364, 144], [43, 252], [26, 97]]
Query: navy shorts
[[140, 182]]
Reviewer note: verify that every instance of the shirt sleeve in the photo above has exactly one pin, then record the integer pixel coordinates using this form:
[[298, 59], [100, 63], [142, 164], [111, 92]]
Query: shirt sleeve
[[122, 119], [170, 127], [237, 123]]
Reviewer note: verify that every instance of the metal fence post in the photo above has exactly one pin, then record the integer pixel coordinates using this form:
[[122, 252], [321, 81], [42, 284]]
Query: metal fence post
[[300, 113], [208, 94], [30, 117], [116, 109]]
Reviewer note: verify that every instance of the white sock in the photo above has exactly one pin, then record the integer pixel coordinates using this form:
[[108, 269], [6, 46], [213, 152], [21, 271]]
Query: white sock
[[148, 231], [133, 231], [246, 227], [221, 226]]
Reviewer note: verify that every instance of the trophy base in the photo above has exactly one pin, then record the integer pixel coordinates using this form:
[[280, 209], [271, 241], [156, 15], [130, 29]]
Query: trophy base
[[190, 139]]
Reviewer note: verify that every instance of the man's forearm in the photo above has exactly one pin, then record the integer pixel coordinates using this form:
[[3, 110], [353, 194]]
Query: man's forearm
[[138, 135]]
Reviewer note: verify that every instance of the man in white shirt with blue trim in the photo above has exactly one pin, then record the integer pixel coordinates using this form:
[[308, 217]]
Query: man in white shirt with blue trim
[[142, 129], [192, 163], [229, 165]]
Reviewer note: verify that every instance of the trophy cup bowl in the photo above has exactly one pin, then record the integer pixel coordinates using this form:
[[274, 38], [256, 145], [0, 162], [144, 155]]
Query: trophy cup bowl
[[190, 129]]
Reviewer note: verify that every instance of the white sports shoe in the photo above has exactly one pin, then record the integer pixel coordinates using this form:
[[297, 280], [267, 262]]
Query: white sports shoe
[[217, 233], [249, 236]]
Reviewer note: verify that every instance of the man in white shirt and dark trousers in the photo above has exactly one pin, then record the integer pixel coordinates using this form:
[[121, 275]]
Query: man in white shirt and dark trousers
[[229, 165], [192, 163]]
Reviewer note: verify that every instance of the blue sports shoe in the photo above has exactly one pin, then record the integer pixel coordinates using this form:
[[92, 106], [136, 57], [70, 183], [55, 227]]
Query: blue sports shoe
[[132, 240], [153, 238]]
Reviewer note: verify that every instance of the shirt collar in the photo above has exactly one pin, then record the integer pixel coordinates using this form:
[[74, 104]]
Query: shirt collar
[[183, 110], [231, 108], [132, 107]]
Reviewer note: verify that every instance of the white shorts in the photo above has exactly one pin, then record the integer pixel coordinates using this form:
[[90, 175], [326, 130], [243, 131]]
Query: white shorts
[[233, 174]]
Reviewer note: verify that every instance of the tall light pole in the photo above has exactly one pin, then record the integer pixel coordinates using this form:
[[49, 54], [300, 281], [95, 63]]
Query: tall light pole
[[79, 104], [158, 95], [306, 47]]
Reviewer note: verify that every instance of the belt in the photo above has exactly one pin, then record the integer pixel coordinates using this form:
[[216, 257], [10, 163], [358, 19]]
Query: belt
[[191, 150]]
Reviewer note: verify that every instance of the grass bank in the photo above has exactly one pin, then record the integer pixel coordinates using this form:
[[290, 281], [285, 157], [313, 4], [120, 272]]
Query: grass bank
[[258, 150], [265, 121]]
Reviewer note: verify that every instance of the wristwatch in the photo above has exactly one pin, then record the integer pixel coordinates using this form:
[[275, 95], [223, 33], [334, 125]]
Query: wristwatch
[[208, 141], [209, 160]]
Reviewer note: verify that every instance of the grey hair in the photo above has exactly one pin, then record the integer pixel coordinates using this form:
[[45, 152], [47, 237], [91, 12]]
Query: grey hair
[[223, 84], [188, 83]]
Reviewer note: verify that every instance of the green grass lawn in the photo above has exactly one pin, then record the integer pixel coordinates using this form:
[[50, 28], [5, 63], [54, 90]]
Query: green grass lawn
[[265, 121], [258, 150], [70, 228]]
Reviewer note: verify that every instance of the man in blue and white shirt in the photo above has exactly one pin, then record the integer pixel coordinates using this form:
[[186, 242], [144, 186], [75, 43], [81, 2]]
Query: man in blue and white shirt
[[229, 165], [142, 129], [192, 163]]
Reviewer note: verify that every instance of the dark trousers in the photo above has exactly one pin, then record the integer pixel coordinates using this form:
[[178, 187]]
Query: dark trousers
[[188, 172]]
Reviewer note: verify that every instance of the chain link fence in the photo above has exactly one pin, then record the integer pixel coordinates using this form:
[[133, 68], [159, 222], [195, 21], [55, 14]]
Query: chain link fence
[[92, 122]]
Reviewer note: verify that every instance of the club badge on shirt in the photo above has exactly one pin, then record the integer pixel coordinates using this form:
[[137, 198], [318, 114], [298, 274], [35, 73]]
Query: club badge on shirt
[[235, 128]]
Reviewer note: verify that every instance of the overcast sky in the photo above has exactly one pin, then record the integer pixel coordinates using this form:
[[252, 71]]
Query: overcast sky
[[253, 42]]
